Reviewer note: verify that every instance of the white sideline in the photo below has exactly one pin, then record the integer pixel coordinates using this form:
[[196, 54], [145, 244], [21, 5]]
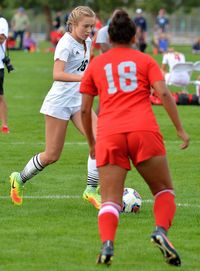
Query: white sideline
[[76, 142], [60, 197]]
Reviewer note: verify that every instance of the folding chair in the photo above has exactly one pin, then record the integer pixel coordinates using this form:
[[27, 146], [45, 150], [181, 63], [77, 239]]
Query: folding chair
[[180, 75], [196, 67]]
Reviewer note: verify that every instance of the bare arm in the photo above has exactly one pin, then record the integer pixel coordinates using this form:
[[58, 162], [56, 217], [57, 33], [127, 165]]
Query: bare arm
[[164, 68], [86, 116], [2, 38], [170, 106], [60, 75]]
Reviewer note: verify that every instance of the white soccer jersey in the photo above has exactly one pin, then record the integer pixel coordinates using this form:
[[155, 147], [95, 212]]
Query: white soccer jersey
[[102, 35], [66, 94], [3, 30], [173, 58]]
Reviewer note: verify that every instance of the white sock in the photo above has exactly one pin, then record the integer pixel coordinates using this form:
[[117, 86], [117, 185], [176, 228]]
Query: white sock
[[93, 174], [32, 168]]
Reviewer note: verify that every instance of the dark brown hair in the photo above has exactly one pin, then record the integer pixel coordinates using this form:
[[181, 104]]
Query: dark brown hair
[[121, 29]]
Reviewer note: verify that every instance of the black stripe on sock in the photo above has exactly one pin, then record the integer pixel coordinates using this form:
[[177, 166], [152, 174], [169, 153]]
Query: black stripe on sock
[[38, 161]]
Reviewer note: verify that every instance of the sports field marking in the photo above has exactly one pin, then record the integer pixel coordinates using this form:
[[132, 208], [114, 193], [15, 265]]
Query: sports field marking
[[60, 197], [78, 143]]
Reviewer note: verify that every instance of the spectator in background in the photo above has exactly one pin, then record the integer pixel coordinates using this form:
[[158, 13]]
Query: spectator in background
[[141, 30], [57, 21], [19, 24], [196, 47], [163, 43], [160, 43], [3, 106], [162, 21], [29, 43], [66, 17]]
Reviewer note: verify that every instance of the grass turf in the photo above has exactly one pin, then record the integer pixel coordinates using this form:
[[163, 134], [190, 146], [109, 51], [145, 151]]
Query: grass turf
[[54, 232]]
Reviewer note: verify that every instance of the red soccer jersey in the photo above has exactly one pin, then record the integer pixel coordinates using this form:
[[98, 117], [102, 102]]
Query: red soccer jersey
[[122, 78]]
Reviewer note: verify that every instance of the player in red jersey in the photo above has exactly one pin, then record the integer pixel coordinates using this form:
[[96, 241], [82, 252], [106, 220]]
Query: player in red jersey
[[127, 131]]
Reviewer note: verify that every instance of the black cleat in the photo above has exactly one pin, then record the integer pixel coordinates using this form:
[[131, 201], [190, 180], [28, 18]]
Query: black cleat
[[160, 239], [106, 254]]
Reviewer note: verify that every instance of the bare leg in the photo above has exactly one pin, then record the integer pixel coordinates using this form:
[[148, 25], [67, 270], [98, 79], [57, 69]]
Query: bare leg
[[76, 119], [112, 179], [156, 173], [90, 193], [55, 138], [3, 110]]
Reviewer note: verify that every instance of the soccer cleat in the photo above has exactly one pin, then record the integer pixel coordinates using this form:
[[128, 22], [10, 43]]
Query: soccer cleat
[[106, 254], [170, 254], [91, 195], [16, 188], [5, 129]]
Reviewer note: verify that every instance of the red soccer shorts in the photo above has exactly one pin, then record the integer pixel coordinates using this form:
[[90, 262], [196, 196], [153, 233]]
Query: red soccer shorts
[[136, 146]]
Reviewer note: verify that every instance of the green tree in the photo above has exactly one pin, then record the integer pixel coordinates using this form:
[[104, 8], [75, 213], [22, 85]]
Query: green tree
[[171, 6], [47, 6]]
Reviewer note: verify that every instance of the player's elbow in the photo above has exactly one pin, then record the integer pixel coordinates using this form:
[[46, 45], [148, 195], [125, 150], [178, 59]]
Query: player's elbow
[[56, 76]]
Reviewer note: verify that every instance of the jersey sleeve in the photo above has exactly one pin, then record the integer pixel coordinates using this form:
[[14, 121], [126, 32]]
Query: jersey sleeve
[[154, 72], [102, 35], [61, 52], [87, 85], [4, 27]]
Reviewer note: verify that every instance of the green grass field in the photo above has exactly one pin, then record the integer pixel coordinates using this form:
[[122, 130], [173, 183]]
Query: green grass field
[[55, 230]]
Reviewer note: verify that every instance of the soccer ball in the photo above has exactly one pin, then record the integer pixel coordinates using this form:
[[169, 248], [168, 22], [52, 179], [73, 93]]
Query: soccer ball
[[132, 201]]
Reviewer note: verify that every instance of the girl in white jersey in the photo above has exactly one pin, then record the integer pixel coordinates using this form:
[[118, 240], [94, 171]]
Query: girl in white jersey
[[63, 102]]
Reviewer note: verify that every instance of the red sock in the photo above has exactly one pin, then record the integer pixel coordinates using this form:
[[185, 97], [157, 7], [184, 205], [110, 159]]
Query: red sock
[[164, 208], [108, 221]]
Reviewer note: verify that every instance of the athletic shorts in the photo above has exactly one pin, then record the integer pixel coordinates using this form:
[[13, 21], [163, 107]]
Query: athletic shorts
[[120, 149], [64, 113], [1, 81]]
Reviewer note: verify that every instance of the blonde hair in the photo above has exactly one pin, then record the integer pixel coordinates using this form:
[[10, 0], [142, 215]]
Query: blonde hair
[[77, 14]]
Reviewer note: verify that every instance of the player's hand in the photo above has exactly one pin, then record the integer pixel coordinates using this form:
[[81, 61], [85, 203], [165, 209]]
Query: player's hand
[[185, 138]]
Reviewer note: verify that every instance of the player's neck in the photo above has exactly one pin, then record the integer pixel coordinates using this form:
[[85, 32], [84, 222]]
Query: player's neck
[[120, 45]]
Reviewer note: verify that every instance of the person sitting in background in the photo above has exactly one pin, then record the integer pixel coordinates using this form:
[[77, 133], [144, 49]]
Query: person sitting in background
[[163, 43], [196, 47], [29, 43], [160, 43], [169, 60]]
